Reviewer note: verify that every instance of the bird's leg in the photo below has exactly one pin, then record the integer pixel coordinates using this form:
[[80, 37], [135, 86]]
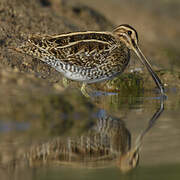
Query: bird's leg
[[83, 90], [65, 82]]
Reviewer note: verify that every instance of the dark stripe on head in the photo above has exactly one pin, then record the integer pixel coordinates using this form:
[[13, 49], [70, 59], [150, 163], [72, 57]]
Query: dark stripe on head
[[127, 25]]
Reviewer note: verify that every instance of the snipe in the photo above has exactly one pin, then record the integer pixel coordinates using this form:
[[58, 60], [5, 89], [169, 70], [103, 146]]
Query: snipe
[[89, 56]]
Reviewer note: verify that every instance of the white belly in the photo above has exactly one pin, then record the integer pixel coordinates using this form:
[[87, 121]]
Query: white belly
[[77, 73], [74, 76]]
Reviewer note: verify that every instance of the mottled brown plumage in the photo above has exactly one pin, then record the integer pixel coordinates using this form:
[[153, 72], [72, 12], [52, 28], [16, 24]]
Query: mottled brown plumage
[[88, 56], [108, 141]]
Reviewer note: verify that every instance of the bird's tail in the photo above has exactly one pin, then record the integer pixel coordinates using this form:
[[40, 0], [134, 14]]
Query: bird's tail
[[29, 49], [25, 48]]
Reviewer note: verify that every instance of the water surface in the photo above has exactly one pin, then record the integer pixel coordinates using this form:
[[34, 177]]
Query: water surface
[[24, 143]]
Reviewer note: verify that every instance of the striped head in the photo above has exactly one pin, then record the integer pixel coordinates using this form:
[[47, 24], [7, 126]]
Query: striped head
[[129, 160], [129, 37], [126, 34]]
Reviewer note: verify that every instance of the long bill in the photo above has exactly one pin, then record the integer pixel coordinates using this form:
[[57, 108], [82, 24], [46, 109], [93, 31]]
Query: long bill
[[149, 68]]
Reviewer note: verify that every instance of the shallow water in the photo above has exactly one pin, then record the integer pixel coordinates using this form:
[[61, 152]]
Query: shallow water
[[159, 151]]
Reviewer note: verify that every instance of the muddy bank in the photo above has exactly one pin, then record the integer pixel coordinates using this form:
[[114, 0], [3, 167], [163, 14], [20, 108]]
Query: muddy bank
[[27, 82], [20, 18], [23, 78]]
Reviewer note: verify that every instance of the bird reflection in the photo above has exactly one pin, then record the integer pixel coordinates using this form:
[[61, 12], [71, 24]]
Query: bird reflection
[[108, 141]]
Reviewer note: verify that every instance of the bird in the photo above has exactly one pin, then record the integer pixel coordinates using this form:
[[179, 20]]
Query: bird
[[108, 142], [88, 56]]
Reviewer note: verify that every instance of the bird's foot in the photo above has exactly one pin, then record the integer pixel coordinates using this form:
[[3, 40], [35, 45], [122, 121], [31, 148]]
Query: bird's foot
[[84, 91], [65, 82]]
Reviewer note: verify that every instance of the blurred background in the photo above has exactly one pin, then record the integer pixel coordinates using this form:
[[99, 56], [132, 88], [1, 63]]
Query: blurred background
[[155, 21], [35, 107]]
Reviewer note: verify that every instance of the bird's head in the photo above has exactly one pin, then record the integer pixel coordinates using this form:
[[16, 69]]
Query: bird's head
[[129, 160], [127, 35]]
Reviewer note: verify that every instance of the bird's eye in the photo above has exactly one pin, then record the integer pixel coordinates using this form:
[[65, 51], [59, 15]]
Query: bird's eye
[[129, 32]]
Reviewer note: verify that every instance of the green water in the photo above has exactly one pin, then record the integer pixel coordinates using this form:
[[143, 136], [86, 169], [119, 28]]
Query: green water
[[71, 115], [156, 172]]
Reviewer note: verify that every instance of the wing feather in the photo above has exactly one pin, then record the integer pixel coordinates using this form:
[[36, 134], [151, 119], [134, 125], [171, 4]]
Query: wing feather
[[85, 53], [82, 49], [68, 38]]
